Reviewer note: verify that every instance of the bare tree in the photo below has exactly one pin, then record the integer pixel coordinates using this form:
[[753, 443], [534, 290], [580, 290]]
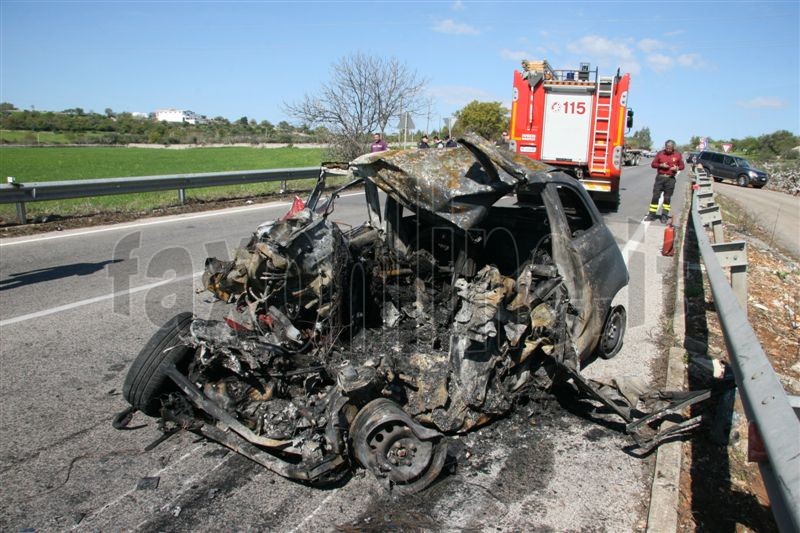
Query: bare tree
[[363, 94]]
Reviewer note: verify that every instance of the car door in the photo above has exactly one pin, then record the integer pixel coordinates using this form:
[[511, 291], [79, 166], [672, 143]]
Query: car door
[[715, 166], [728, 168], [588, 257]]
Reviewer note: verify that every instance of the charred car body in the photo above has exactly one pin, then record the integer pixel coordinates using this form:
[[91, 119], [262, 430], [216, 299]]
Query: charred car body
[[370, 345]]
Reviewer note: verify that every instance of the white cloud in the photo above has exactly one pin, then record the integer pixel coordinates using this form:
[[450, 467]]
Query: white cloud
[[663, 63], [460, 95], [452, 27], [515, 55], [651, 45], [605, 52], [673, 33], [691, 61], [762, 101], [660, 62], [600, 46], [458, 5]]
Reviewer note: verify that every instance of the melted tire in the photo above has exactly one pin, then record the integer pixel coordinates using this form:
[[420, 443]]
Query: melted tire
[[147, 381]]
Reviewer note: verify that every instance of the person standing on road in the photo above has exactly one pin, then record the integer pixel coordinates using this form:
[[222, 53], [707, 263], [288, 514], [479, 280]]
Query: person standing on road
[[378, 144], [667, 163], [423, 144]]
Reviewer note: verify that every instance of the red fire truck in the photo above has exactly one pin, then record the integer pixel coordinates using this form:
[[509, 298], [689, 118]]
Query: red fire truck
[[573, 119]]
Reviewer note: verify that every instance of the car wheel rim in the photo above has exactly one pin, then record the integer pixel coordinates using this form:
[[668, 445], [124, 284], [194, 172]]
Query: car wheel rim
[[613, 332]]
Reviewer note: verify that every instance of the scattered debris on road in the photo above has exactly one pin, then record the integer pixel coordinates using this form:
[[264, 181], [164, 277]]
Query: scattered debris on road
[[148, 483]]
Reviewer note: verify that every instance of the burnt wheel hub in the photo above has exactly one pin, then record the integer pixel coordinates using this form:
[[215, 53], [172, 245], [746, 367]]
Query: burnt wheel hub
[[399, 453]]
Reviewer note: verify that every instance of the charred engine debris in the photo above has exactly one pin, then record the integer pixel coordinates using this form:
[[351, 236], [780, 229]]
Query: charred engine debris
[[370, 344]]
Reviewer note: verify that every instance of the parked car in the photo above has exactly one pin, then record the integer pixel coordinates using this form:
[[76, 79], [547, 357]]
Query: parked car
[[691, 157], [730, 167]]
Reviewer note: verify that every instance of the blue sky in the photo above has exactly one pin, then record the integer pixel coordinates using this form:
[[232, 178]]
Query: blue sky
[[723, 69]]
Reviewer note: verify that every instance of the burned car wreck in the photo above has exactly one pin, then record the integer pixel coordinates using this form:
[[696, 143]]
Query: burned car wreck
[[478, 278]]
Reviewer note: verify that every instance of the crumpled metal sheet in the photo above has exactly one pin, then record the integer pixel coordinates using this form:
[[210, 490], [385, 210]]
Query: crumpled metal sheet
[[451, 183]]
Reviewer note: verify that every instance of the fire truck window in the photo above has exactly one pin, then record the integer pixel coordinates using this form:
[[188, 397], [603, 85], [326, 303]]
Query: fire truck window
[[578, 216]]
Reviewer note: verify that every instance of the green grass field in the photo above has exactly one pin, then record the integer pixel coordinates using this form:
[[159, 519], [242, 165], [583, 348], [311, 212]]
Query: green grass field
[[32, 137], [56, 164]]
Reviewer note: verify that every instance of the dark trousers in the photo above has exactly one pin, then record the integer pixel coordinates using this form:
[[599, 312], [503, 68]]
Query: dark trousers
[[665, 184]]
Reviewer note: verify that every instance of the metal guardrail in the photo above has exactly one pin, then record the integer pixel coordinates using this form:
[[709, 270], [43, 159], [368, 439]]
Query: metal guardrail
[[20, 193], [766, 404]]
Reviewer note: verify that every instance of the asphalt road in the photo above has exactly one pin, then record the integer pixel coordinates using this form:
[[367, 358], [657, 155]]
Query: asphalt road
[[776, 212], [75, 308]]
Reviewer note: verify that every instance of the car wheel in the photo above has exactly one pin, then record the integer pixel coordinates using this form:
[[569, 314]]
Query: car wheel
[[147, 380], [743, 181], [718, 180], [613, 333]]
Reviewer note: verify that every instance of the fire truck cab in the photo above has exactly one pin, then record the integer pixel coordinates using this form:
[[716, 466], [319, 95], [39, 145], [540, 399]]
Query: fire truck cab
[[575, 120]]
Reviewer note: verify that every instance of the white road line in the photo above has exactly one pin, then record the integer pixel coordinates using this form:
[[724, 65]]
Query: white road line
[[186, 487], [300, 526], [124, 495], [636, 239], [88, 301], [165, 220]]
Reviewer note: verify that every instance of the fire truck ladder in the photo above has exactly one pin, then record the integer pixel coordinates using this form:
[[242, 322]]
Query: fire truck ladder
[[602, 124]]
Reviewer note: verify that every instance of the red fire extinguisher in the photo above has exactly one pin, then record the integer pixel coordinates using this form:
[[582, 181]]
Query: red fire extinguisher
[[668, 247]]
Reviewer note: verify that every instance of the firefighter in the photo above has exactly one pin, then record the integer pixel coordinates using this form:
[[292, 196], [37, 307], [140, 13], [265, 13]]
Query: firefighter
[[667, 163]]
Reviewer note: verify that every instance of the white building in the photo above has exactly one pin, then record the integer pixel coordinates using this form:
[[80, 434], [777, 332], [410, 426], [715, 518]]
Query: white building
[[179, 115]]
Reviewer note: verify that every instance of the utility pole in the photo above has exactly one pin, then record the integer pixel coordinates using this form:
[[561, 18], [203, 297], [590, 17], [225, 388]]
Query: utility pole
[[428, 121]]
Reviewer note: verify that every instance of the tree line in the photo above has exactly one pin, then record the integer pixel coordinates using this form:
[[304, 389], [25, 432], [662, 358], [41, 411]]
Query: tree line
[[780, 144], [82, 127]]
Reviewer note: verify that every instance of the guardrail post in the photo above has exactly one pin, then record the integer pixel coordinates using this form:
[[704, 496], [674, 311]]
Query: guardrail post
[[22, 216], [284, 186], [734, 255], [704, 187], [182, 196], [705, 199], [711, 216]]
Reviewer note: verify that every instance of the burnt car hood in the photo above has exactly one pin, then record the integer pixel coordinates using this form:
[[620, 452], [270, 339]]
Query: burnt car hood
[[458, 185]]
